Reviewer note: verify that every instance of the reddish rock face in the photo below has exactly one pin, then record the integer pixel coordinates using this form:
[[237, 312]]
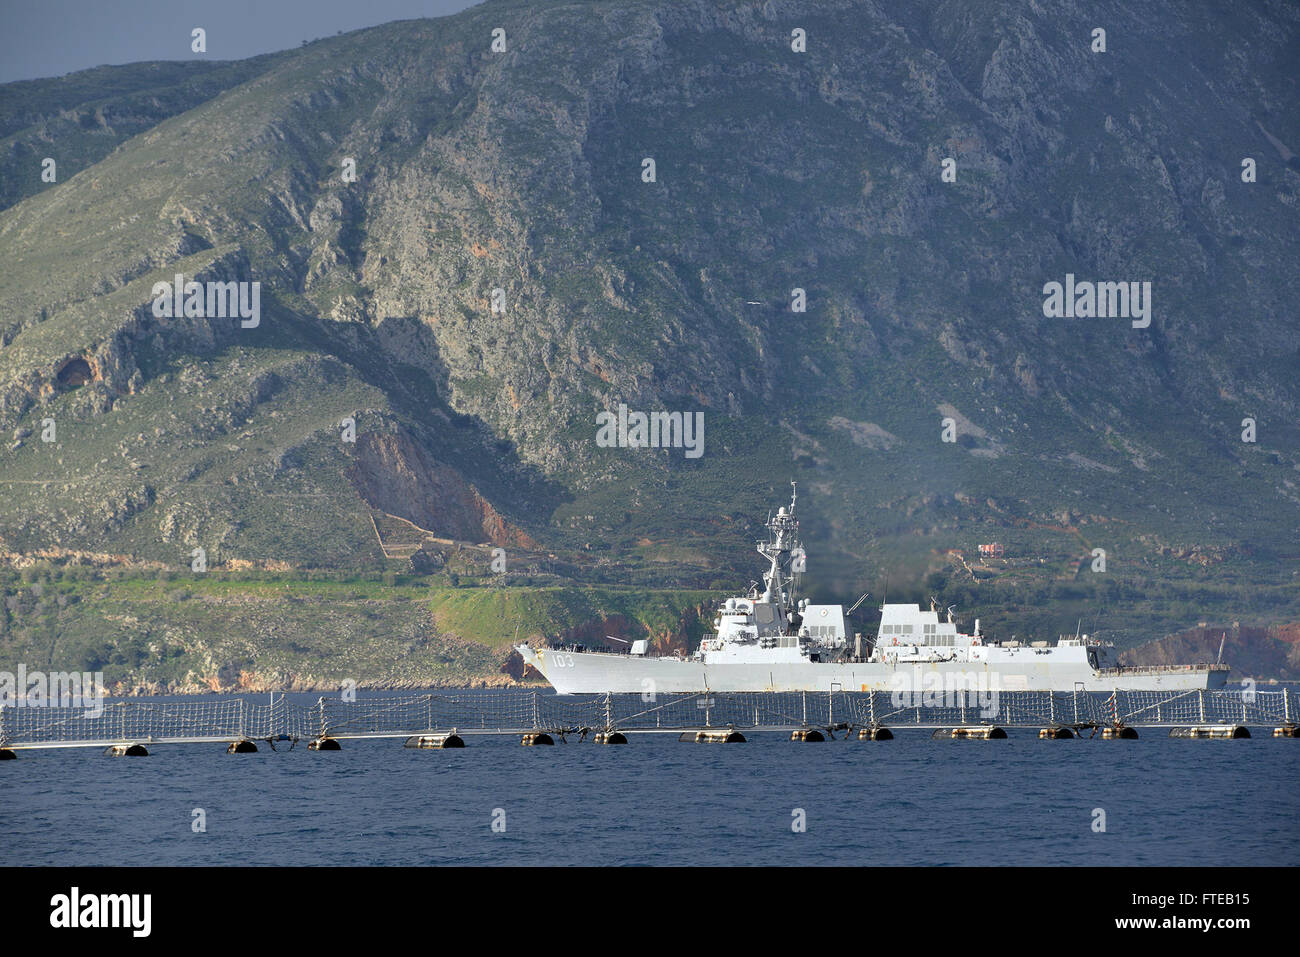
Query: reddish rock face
[[396, 476], [515, 667], [1255, 651]]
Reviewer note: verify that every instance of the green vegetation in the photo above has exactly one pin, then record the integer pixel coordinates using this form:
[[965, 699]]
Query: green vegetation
[[230, 630], [775, 171], [185, 631]]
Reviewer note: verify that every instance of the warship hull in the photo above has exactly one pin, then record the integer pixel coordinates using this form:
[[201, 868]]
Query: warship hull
[[589, 672]]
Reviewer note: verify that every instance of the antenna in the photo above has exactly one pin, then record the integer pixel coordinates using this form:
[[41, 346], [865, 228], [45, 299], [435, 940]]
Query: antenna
[[857, 603], [1222, 639]]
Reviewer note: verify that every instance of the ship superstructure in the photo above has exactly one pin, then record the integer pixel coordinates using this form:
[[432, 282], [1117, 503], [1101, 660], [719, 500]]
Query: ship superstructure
[[771, 640]]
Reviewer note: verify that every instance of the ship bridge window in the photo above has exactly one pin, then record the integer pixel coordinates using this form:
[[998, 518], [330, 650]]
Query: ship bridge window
[[928, 629]]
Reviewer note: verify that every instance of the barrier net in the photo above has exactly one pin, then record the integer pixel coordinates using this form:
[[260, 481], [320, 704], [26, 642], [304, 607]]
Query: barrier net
[[507, 710]]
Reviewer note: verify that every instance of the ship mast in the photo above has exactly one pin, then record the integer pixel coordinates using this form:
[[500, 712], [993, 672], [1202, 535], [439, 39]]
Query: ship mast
[[783, 539]]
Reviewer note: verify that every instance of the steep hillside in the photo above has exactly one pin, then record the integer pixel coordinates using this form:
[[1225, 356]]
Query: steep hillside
[[518, 177], [80, 118]]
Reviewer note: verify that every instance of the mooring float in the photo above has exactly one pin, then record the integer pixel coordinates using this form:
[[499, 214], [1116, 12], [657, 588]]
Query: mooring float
[[1211, 731], [1055, 733], [875, 733], [444, 739], [1113, 732], [127, 751], [978, 732], [807, 734], [718, 736]]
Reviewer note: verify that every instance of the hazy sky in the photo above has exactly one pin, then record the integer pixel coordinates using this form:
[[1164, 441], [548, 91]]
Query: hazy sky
[[40, 38]]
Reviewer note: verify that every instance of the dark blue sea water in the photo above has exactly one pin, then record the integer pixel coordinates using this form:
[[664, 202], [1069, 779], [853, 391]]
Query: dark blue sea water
[[910, 801]]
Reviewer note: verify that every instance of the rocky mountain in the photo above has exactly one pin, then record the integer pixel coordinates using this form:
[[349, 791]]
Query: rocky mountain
[[827, 227], [1261, 652]]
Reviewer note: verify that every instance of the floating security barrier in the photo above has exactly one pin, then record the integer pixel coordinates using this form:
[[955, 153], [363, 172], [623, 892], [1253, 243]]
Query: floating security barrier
[[1211, 731], [978, 732], [610, 737], [446, 739], [324, 744], [537, 737], [807, 734], [1055, 733], [719, 736], [1287, 730], [127, 751], [241, 747], [875, 733], [1118, 731]]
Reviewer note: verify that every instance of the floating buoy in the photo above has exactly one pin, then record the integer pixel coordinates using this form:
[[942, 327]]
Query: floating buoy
[[1287, 731], [721, 736], [1116, 731], [537, 737], [446, 739], [875, 733], [7, 755], [807, 734], [127, 751], [241, 747], [1055, 733], [610, 737], [324, 744], [978, 732], [1211, 731]]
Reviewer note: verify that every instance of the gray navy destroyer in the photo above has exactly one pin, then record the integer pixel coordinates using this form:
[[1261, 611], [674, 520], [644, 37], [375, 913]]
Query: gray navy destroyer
[[771, 640]]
